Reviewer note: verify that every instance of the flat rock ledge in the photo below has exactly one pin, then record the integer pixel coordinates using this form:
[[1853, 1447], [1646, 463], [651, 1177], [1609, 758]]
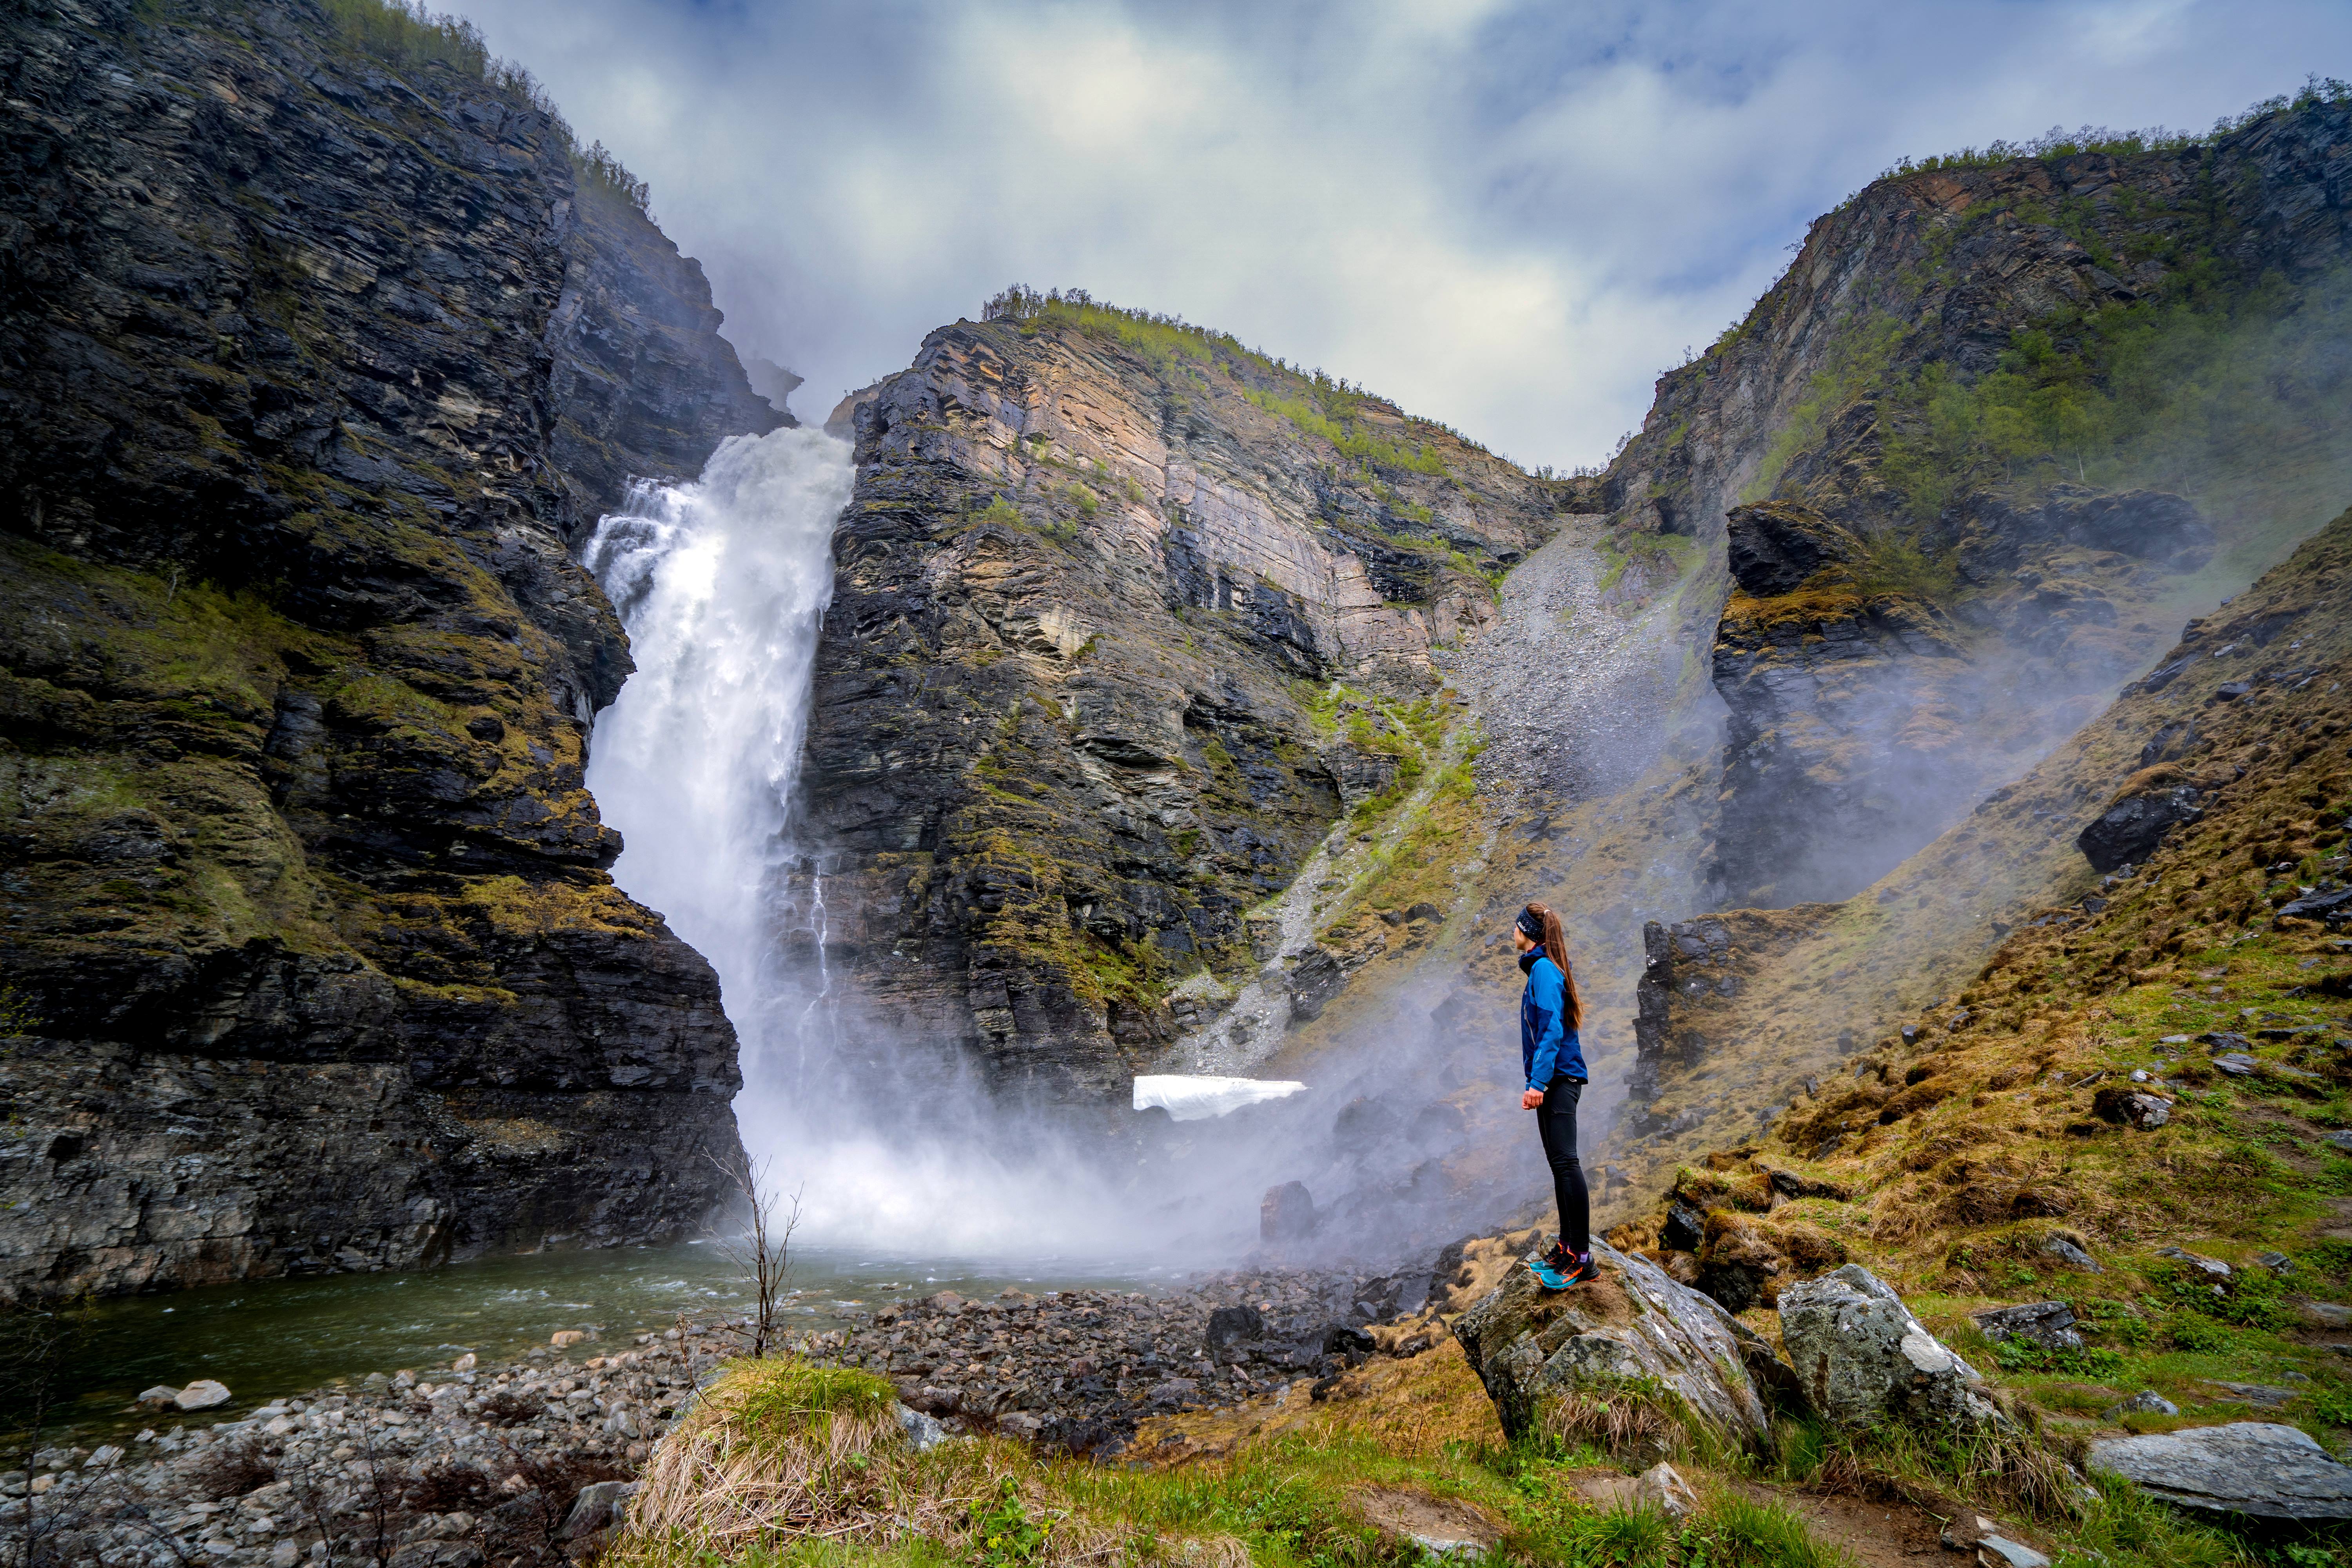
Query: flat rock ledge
[[1633, 1340], [2258, 1468]]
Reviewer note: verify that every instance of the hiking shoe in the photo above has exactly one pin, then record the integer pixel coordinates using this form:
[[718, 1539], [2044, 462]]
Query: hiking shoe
[[1548, 1270], [1584, 1272]]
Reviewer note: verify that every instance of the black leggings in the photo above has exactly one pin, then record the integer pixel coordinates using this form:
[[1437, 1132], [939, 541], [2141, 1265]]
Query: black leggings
[[1556, 1124]]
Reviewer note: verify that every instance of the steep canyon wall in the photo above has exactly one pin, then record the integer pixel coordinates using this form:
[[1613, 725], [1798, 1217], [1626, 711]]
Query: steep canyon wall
[[1929, 590], [312, 372], [1125, 618]]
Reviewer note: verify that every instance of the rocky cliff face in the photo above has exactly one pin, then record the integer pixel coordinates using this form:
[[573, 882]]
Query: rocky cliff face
[[1945, 361], [313, 369], [1125, 616]]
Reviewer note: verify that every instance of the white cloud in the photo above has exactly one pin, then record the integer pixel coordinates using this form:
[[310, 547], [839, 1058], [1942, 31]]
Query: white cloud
[[1505, 214]]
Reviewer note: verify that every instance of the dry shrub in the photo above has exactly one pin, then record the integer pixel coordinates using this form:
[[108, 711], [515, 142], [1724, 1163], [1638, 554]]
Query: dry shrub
[[451, 1489], [1999, 1471], [1812, 1249], [232, 1472], [1624, 1427], [507, 1408]]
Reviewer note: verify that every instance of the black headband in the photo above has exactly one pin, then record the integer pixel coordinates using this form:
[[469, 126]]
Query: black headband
[[1532, 924]]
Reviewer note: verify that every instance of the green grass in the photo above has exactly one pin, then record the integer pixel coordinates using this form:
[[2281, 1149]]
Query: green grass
[[2060, 142], [1313, 417], [2156, 393]]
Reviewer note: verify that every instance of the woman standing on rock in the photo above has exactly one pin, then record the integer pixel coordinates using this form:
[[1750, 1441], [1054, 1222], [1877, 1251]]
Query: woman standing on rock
[[1553, 1057]]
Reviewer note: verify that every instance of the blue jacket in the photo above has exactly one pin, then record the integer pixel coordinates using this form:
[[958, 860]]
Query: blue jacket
[[1545, 1050]]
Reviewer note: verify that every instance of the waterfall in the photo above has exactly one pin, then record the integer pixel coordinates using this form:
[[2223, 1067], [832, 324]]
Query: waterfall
[[723, 585]]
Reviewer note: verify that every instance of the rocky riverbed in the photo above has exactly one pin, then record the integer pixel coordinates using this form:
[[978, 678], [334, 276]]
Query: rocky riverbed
[[474, 1465]]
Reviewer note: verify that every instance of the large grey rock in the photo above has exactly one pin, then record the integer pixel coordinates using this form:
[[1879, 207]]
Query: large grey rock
[[1633, 1333], [1862, 1359], [2254, 1468]]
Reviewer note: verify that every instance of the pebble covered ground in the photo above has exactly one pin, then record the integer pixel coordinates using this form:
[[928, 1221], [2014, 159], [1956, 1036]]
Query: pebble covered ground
[[482, 1466]]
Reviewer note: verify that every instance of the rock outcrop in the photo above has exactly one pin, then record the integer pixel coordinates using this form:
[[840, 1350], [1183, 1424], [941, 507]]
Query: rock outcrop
[[1863, 1359], [1064, 731], [1676, 1366], [316, 366], [2258, 1468]]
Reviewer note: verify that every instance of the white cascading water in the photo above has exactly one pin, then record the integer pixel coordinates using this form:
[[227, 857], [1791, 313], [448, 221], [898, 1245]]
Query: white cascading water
[[723, 585]]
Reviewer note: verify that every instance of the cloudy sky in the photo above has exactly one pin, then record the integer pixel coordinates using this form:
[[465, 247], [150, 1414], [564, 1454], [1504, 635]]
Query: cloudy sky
[[1508, 216]]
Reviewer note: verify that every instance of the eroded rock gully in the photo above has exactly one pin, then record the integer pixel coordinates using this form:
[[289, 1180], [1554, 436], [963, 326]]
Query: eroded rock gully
[[314, 372]]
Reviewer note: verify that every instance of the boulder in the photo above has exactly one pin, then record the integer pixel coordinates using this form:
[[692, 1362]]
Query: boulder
[[2049, 1324], [2254, 1468], [202, 1394], [159, 1397], [1862, 1359], [1546, 1356], [1286, 1212], [2128, 832], [2073, 1256], [2131, 1108], [1662, 1490], [1685, 1229], [920, 1430], [1232, 1326], [2212, 1269], [599, 1508], [1990, 1541], [2146, 1402], [1313, 981]]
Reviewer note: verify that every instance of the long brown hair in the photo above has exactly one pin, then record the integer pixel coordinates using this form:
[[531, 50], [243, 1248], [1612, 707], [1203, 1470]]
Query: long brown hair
[[1555, 946]]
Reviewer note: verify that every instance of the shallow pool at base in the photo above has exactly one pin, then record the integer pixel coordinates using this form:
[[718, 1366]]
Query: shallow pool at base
[[270, 1338]]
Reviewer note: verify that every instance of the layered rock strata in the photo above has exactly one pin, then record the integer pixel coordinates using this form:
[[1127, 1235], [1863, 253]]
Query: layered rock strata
[[315, 369], [1125, 616]]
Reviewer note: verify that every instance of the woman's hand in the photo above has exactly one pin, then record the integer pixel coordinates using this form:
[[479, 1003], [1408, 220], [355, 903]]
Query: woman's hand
[[1530, 1099]]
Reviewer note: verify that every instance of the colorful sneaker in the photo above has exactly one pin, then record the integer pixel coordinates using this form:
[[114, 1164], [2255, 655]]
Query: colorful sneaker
[[1553, 1267], [1585, 1271]]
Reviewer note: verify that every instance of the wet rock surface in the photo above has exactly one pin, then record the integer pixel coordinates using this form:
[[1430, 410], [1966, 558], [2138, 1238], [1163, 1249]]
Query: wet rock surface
[[2258, 1468], [1077, 1369], [317, 371]]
